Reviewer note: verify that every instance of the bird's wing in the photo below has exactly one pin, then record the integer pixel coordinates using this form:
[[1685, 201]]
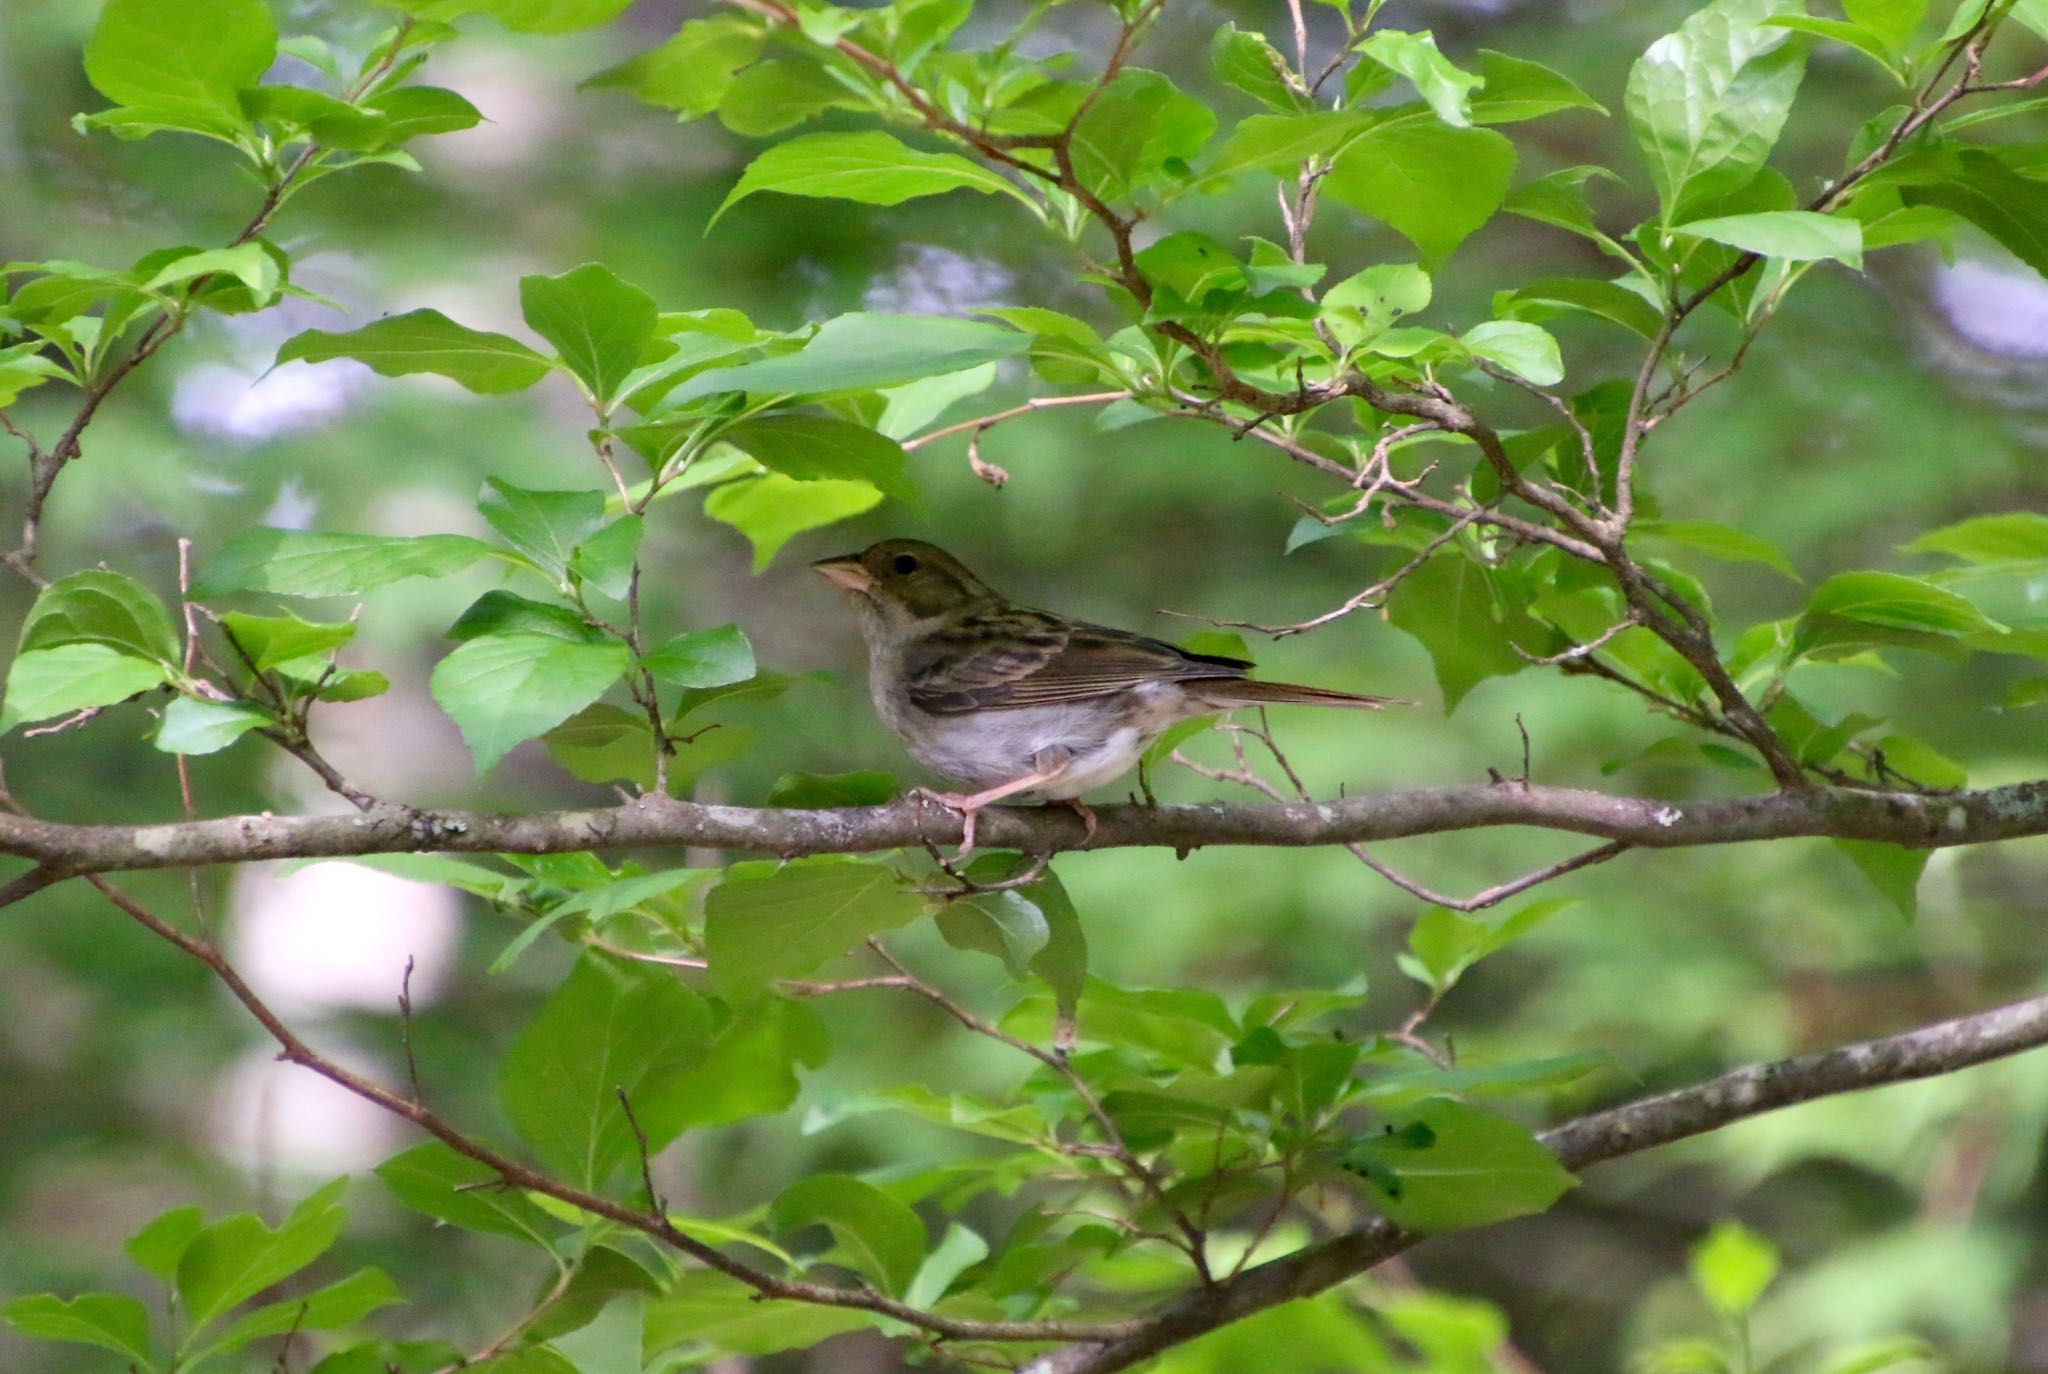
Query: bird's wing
[[1007, 657]]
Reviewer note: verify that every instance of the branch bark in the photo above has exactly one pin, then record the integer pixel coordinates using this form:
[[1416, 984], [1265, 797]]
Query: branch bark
[[1914, 819], [1637, 1126]]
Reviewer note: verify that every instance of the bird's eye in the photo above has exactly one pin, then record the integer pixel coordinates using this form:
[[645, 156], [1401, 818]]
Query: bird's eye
[[904, 564]]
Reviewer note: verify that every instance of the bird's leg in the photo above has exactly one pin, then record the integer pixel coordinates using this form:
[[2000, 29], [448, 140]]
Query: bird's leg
[[1087, 815], [1050, 764]]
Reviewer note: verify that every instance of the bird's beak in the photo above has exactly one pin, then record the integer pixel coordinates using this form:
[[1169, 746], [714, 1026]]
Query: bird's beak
[[845, 571]]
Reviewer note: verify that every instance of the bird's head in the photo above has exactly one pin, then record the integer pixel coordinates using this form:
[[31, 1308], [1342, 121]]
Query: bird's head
[[904, 580]]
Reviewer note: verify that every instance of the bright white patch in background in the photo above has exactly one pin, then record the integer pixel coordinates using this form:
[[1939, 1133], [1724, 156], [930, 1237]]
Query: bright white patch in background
[[277, 1116], [236, 401], [929, 280], [241, 398], [1999, 309], [337, 935]]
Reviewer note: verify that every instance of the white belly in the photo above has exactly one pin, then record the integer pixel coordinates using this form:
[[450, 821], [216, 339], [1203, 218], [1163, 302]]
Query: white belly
[[1103, 737]]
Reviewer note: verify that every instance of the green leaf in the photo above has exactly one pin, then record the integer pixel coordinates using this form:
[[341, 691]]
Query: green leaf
[[749, 1069], [1248, 62], [1441, 83], [249, 263], [100, 607], [958, 1251], [1732, 1267], [73, 677], [1185, 1026], [600, 326], [426, 341], [1366, 304], [546, 526], [715, 1313], [269, 640], [157, 1247], [1139, 130], [1608, 300], [182, 60], [1724, 542], [703, 658], [1559, 199], [418, 111], [1433, 183], [1191, 266], [332, 123], [1523, 349], [1388, 1091], [234, 1259], [342, 1303], [1448, 604], [771, 96], [431, 1178], [1444, 943], [521, 16], [2027, 692], [1516, 89], [309, 563], [506, 613], [914, 405], [1851, 35], [1794, 235], [1007, 925], [870, 167], [1892, 21], [2011, 537], [814, 447], [1444, 1166], [765, 922], [882, 1237], [770, 510], [195, 726], [1975, 184], [832, 789], [693, 70], [1281, 141], [605, 560], [1890, 601], [860, 352], [502, 689], [112, 1321], [612, 1025], [1706, 103], [1892, 870]]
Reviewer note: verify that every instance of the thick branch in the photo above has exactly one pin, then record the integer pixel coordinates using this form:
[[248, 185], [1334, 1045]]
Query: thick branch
[[1641, 1125], [1916, 820]]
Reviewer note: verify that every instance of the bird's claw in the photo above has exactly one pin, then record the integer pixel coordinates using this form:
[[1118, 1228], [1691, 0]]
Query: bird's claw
[[960, 804]]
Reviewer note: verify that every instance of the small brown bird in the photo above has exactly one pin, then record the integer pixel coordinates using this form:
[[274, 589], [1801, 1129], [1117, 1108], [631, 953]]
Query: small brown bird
[[1015, 702]]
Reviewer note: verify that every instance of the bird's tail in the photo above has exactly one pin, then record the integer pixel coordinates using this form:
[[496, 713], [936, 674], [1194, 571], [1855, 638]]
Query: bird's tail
[[1227, 693]]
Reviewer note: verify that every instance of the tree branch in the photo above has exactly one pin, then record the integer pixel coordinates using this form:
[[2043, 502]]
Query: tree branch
[[1914, 819], [1593, 1139]]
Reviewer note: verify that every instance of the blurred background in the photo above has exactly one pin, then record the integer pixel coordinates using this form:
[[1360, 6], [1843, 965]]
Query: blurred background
[[1878, 406]]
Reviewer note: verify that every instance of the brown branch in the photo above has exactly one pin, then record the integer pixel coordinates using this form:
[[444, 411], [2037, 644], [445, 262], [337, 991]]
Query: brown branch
[[1593, 1139], [1912, 819], [1499, 892]]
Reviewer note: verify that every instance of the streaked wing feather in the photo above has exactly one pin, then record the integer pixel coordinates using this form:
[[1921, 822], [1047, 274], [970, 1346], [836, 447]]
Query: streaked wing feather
[[1008, 657]]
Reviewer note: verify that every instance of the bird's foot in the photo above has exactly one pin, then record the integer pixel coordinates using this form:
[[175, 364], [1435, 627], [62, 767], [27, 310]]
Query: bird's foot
[[1087, 815], [966, 807]]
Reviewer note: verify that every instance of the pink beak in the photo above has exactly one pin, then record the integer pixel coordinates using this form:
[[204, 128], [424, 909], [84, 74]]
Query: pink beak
[[846, 571]]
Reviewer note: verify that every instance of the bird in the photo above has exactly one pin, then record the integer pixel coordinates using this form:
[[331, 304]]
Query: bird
[[1018, 703]]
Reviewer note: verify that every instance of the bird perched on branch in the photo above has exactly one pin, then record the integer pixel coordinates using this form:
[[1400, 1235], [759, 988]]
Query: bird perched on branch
[[1014, 702]]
